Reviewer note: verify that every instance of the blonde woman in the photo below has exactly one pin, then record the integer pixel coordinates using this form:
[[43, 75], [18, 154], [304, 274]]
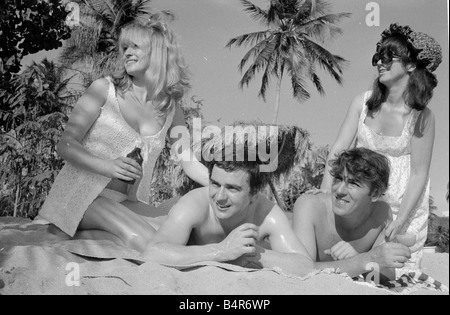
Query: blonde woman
[[136, 107]]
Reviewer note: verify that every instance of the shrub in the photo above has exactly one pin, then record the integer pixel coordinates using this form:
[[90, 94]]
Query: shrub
[[438, 233]]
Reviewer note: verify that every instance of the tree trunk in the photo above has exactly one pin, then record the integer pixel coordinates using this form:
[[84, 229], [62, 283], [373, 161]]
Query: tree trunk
[[277, 102], [277, 198], [16, 201]]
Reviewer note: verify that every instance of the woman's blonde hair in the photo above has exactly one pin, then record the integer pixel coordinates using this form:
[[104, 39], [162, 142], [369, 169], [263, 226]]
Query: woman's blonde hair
[[167, 75]]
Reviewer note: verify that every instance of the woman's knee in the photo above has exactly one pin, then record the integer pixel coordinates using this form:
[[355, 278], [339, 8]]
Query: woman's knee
[[112, 217]]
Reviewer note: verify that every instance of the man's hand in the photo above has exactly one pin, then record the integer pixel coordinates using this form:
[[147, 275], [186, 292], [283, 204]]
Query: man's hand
[[390, 255], [252, 260], [240, 241], [341, 250]]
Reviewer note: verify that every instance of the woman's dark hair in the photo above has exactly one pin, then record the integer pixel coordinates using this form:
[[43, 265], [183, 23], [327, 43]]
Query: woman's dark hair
[[421, 81]]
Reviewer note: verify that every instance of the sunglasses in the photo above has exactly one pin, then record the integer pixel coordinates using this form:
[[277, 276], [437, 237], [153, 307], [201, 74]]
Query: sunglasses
[[385, 59]]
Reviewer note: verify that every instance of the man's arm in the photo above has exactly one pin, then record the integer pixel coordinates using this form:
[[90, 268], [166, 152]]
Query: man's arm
[[286, 252], [169, 245], [305, 212], [385, 256]]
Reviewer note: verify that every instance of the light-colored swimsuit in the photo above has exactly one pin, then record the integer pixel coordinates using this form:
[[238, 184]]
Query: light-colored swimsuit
[[398, 151], [110, 137]]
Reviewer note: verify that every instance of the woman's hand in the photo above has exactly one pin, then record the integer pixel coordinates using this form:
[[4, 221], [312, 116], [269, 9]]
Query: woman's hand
[[393, 229], [123, 168]]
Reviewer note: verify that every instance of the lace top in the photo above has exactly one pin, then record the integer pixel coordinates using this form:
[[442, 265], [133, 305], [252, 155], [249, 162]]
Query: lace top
[[110, 137], [398, 152], [387, 145]]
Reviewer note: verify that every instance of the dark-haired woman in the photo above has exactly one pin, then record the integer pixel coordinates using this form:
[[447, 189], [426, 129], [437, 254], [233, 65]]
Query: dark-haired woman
[[393, 119]]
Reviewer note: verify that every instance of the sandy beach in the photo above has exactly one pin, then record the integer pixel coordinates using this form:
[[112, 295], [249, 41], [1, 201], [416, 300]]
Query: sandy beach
[[32, 261]]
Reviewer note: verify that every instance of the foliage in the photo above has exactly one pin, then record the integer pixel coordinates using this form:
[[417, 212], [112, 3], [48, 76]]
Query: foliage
[[307, 174], [29, 26], [169, 179], [35, 106], [290, 44], [92, 48], [438, 233]]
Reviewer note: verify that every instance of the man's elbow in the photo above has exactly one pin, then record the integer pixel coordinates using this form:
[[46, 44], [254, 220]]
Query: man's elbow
[[62, 146]]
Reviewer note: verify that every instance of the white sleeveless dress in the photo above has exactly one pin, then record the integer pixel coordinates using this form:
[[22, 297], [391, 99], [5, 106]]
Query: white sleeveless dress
[[398, 151], [110, 137]]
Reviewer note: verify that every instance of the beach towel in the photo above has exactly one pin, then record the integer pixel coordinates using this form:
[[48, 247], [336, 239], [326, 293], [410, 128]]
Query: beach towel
[[410, 281]]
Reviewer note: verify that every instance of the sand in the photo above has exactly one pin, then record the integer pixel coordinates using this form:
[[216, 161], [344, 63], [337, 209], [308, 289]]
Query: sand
[[33, 261]]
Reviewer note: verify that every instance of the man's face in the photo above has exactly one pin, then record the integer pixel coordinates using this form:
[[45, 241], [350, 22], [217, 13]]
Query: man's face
[[349, 195], [229, 192]]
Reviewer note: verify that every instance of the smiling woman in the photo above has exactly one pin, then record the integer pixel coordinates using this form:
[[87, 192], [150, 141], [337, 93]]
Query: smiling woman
[[135, 107], [393, 119]]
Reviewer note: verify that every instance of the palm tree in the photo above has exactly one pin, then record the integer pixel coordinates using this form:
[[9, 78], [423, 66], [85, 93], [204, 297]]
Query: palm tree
[[432, 206], [92, 49], [288, 46]]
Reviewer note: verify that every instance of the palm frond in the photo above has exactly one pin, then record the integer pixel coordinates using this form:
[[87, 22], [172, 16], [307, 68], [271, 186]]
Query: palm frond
[[248, 39], [268, 73], [333, 64], [259, 63], [256, 12], [317, 83], [323, 27], [299, 90], [253, 53]]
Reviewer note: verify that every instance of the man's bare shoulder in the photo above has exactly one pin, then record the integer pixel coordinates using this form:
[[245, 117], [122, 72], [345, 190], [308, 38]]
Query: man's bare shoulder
[[382, 213], [313, 205], [194, 204]]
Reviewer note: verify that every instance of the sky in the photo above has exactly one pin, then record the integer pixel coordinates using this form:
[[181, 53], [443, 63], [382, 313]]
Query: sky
[[205, 26]]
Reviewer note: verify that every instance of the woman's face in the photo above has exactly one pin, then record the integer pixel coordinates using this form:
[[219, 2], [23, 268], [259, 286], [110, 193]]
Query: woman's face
[[135, 55], [390, 74], [391, 68]]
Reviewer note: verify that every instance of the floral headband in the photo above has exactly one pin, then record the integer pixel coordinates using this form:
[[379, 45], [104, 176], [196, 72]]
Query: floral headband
[[429, 49]]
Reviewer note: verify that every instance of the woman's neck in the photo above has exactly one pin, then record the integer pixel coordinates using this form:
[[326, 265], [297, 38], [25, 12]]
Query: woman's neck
[[395, 93], [139, 89]]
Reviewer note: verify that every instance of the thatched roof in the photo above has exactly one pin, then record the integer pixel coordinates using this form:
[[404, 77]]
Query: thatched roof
[[292, 143]]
